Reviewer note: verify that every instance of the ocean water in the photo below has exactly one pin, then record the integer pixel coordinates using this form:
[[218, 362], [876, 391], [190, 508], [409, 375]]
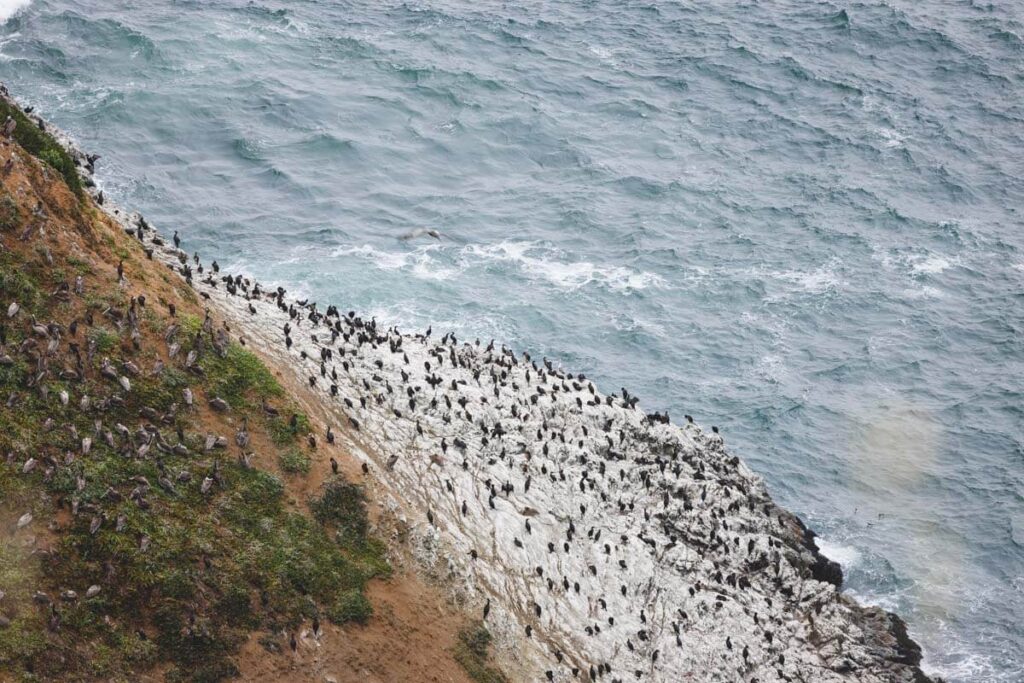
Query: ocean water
[[797, 220]]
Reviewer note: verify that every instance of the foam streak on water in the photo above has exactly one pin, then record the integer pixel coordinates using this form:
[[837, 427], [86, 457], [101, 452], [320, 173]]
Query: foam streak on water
[[797, 220]]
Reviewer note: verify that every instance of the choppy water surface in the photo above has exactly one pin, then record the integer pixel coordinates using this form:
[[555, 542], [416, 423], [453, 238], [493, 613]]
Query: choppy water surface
[[799, 221]]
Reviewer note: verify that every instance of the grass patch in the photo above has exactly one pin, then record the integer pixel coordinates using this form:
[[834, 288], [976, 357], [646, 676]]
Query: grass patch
[[106, 340], [238, 376], [342, 505], [472, 652], [241, 376], [281, 431], [9, 216], [17, 284], [80, 266], [350, 606], [293, 461]]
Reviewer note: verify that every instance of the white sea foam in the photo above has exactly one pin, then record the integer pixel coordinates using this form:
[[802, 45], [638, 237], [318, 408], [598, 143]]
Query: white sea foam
[[931, 264], [771, 368], [627, 323], [385, 260], [886, 601], [8, 8], [970, 667], [892, 138], [569, 275], [420, 263], [822, 280], [916, 264], [847, 556], [923, 293]]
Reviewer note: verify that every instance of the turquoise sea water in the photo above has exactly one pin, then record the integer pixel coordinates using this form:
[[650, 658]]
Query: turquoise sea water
[[799, 221]]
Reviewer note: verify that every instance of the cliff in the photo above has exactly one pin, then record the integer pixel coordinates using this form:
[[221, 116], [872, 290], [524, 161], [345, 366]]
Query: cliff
[[593, 541]]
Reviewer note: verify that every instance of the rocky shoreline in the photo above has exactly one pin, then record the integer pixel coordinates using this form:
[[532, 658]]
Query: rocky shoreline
[[595, 541]]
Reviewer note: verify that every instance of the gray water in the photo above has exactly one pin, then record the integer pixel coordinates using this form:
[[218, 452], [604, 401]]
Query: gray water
[[799, 221]]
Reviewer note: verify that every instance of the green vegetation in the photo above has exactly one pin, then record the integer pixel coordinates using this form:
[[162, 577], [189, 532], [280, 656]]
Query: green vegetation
[[472, 653], [237, 376], [17, 284], [351, 605], [283, 433], [9, 216], [341, 508], [293, 461], [42, 145], [23, 638], [104, 338]]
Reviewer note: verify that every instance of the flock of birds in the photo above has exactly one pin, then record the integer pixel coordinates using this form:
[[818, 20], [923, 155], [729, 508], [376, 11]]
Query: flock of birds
[[597, 541], [603, 541]]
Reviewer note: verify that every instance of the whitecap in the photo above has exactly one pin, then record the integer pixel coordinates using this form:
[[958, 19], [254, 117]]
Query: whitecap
[[818, 281], [425, 267], [847, 556], [928, 263], [771, 368], [420, 262], [923, 293], [887, 602], [384, 260], [931, 264], [892, 138], [568, 275], [8, 8], [969, 667]]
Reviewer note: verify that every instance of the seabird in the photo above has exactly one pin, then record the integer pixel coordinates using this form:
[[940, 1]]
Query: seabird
[[419, 232]]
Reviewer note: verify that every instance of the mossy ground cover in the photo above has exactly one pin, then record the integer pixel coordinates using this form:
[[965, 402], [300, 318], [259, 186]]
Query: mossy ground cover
[[184, 576], [473, 653]]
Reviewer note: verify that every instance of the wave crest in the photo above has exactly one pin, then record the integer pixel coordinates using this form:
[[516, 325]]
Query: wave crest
[[8, 8]]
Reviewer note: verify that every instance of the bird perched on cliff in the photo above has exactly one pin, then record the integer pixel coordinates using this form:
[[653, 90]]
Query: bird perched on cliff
[[9, 126], [242, 435]]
